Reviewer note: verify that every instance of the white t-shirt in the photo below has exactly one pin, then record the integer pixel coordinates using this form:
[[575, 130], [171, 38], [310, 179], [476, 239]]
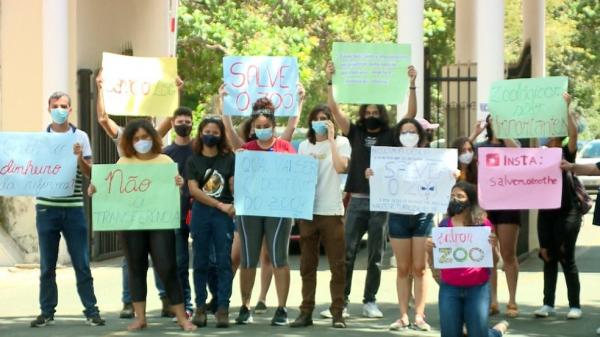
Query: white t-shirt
[[328, 196]]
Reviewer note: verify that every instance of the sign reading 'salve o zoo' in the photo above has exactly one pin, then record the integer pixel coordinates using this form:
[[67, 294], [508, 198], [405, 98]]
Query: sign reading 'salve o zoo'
[[529, 108], [370, 73]]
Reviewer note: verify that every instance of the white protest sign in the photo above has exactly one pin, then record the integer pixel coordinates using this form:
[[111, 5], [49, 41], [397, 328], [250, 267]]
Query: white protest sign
[[462, 247], [411, 180]]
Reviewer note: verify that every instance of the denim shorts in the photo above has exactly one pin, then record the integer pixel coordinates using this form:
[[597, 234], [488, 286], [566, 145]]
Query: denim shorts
[[406, 226]]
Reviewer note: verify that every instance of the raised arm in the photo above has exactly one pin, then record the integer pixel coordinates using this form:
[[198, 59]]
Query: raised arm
[[340, 163], [165, 125], [412, 94], [477, 130], [234, 138], [581, 169], [340, 118], [571, 125], [108, 125], [292, 123]]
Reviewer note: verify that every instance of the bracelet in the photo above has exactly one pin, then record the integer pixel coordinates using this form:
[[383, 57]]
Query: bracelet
[[329, 82]]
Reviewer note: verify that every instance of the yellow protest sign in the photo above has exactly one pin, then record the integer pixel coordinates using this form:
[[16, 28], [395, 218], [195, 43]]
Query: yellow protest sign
[[139, 86]]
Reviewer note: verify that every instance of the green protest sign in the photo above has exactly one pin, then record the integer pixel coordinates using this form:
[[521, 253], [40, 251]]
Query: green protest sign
[[529, 108], [135, 197], [370, 73]]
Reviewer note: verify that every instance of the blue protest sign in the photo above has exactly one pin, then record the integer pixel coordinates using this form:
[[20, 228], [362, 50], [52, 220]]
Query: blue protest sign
[[248, 78], [275, 184], [37, 164]]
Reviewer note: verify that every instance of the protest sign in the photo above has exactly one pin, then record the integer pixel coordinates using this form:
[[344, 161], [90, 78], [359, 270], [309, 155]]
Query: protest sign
[[248, 78], [38, 164], [139, 86], [135, 197], [462, 247], [275, 184], [411, 180], [519, 178], [370, 73], [529, 108]]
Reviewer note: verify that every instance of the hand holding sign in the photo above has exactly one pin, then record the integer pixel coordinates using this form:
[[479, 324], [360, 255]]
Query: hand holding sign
[[462, 247]]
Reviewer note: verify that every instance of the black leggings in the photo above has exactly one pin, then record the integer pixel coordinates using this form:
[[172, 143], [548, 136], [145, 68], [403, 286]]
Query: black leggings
[[557, 232], [160, 244]]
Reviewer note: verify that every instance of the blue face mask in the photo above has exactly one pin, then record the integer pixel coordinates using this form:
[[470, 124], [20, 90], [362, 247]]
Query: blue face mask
[[59, 115], [263, 134], [143, 146], [320, 127]]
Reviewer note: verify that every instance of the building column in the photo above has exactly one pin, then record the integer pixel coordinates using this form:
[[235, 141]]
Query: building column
[[534, 14], [464, 35], [410, 30], [490, 50]]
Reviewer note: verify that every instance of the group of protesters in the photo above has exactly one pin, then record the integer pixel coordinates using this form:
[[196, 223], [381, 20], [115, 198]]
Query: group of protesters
[[223, 242]]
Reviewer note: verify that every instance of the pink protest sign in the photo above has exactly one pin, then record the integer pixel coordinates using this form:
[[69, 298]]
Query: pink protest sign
[[519, 178]]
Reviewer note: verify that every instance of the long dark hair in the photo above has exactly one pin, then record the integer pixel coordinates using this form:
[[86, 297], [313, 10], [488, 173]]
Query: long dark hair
[[478, 215], [420, 131], [311, 135], [126, 143], [383, 116], [223, 145], [471, 172]]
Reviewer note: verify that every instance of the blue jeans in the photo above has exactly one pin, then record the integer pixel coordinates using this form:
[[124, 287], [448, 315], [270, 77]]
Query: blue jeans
[[70, 221], [465, 305], [210, 229], [126, 296], [183, 263]]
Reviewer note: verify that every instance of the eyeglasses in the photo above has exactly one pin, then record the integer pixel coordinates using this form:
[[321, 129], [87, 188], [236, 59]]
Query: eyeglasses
[[213, 117], [264, 112]]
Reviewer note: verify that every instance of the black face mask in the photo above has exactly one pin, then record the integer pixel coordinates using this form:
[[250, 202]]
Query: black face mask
[[210, 140], [372, 123], [183, 130], [456, 206]]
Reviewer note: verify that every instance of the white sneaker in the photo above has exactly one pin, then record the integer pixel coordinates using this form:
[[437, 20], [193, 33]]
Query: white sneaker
[[327, 314], [574, 313], [544, 311], [371, 310]]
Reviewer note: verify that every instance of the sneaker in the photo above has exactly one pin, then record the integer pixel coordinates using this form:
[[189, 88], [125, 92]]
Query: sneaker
[[280, 317], [244, 316], [338, 322], [501, 327], [95, 320], [544, 311], [304, 320], [199, 319], [127, 311], [574, 313], [327, 313], [420, 324], [260, 308], [371, 310], [400, 325], [222, 317], [41, 320]]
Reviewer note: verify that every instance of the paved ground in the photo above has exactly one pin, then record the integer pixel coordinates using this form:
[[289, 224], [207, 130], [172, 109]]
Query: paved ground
[[19, 291]]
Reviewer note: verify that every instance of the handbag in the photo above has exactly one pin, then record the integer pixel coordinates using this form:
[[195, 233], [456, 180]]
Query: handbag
[[583, 201]]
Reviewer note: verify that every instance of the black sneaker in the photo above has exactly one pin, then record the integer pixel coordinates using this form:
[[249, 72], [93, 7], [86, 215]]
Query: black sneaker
[[95, 320], [244, 317], [41, 320], [260, 307], [280, 317], [127, 311]]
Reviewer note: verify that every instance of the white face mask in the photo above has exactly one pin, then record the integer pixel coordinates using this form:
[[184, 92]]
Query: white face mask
[[409, 139], [466, 158], [143, 146]]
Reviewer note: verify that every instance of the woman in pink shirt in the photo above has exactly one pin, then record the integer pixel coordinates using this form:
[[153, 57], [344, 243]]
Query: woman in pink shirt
[[464, 296]]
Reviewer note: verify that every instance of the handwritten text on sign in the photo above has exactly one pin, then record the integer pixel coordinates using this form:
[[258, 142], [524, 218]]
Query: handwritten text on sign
[[411, 180], [462, 247], [139, 86], [529, 108], [248, 78], [370, 73], [135, 197], [38, 164], [275, 184], [519, 178]]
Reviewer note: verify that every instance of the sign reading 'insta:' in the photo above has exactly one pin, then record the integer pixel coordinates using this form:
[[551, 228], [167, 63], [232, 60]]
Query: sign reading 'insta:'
[[519, 178]]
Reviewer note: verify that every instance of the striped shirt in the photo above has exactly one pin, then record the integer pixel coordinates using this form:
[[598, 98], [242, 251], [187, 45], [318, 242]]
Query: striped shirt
[[76, 199]]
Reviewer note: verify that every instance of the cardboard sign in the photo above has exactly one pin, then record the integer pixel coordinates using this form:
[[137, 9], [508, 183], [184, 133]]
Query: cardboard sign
[[40, 164], [462, 247], [529, 108], [411, 180], [139, 86], [248, 78], [370, 73], [275, 184], [135, 197], [519, 178]]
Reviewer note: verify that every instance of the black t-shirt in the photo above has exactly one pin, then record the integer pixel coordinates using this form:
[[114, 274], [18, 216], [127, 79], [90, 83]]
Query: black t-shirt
[[567, 201], [180, 155], [222, 167], [361, 141]]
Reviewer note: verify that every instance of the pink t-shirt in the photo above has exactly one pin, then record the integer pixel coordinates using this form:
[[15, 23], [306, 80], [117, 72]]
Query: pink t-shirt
[[466, 277], [280, 145]]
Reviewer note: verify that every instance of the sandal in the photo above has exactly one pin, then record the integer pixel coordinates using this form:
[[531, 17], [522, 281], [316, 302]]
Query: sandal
[[494, 309], [420, 323], [512, 310], [400, 324]]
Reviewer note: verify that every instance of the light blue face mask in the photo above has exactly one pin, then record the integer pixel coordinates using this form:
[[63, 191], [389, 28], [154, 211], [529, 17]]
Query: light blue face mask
[[320, 127], [59, 115], [143, 146], [263, 134]]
